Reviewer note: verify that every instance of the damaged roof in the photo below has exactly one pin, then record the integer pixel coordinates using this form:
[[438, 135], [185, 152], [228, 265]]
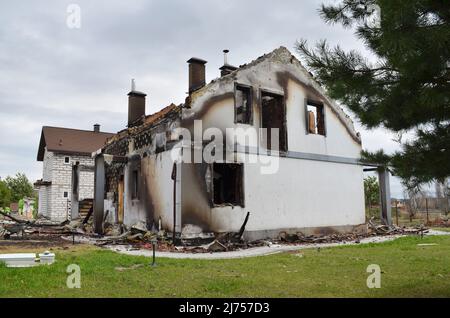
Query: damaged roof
[[284, 56], [148, 121], [153, 118], [68, 140]]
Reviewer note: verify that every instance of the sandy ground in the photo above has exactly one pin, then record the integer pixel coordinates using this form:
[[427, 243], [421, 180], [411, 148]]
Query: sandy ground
[[33, 243], [255, 251]]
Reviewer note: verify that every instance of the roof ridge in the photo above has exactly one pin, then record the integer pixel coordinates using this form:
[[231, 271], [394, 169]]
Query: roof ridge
[[77, 129], [343, 116]]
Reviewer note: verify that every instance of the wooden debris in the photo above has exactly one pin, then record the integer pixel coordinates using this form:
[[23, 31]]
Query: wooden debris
[[216, 246], [86, 219], [381, 229], [242, 229]]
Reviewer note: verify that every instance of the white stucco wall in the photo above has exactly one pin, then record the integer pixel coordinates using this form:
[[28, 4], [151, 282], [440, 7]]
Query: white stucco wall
[[303, 193]]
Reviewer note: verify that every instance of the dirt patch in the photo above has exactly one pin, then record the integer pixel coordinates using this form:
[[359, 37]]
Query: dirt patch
[[34, 242]]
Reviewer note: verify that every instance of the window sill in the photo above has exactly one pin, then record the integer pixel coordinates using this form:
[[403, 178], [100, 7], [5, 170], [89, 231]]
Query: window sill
[[224, 205]]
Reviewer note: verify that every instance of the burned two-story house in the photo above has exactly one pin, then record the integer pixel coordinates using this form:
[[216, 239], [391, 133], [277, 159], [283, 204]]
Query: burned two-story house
[[262, 140]]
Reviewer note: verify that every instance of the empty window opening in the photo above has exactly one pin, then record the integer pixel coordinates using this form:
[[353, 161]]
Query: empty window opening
[[315, 119], [273, 115], [65, 194], [228, 184], [243, 104], [66, 159], [134, 184]]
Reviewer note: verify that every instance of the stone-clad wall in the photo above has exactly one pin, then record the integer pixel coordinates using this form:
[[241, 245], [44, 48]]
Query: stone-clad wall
[[47, 166], [86, 190], [44, 191], [52, 202], [43, 206]]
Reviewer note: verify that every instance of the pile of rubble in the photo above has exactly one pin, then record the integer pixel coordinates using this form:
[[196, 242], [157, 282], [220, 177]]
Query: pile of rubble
[[375, 229], [232, 241], [138, 236], [15, 226]]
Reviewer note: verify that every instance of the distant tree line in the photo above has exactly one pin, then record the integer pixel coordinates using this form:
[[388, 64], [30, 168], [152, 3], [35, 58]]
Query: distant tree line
[[13, 189], [371, 191]]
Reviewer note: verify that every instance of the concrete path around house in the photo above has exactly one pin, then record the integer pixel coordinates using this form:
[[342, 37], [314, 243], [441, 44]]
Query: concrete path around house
[[254, 251]]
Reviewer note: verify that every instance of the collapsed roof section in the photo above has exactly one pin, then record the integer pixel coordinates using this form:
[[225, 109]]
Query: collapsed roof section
[[168, 114], [282, 56]]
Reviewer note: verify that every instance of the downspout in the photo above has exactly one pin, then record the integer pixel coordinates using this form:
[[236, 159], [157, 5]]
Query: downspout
[[174, 178], [74, 209], [99, 193]]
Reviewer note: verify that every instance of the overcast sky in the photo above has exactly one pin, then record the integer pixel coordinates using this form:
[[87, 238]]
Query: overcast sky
[[54, 75]]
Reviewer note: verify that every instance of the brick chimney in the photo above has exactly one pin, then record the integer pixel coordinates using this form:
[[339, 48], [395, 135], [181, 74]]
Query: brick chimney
[[96, 128], [136, 105], [196, 73]]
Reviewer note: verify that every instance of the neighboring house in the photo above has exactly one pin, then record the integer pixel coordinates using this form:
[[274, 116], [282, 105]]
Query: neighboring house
[[28, 208], [316, 183], [59, 150]]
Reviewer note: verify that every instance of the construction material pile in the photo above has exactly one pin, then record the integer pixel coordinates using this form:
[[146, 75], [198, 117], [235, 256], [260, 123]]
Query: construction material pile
[[14, 226]]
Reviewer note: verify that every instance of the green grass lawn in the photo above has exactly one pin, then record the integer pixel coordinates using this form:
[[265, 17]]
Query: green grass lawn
[[408, 270]]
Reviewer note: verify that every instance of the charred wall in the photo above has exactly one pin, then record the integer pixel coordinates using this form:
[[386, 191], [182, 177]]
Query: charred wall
[[144, 146], [281, 75]]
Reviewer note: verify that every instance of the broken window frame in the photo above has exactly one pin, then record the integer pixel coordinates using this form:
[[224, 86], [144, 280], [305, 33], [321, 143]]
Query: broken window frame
[[320, 108], [134, 184], [241, 196], [283, 98], [249, 110]]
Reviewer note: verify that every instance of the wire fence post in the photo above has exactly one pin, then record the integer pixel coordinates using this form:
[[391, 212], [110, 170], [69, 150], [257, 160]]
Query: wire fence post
[[396, 211]]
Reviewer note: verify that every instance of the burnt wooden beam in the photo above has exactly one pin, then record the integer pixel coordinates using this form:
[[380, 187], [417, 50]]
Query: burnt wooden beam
[[74, 210], [86, 219], [99, 193], [241, 231]]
